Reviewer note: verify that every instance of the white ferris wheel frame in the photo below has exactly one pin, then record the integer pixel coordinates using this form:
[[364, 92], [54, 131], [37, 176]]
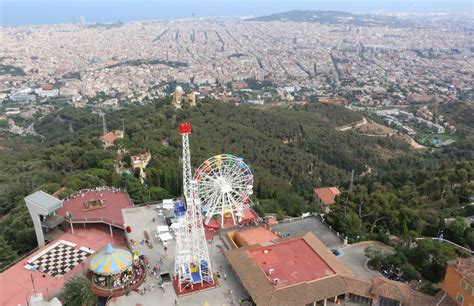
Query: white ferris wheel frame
[[224, 185]]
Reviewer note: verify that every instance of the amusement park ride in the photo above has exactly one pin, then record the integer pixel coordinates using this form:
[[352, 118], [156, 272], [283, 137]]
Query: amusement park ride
[[225, 184], [221, 188], [192, 262]]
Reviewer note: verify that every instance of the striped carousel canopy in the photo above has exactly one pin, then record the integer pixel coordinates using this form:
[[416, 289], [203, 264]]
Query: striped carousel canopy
[[110, 260]]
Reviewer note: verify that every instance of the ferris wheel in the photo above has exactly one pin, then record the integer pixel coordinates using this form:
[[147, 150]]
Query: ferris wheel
[[224, 186]]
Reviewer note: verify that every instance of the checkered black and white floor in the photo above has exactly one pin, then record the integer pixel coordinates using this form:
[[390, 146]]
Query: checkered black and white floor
[[60, 259]]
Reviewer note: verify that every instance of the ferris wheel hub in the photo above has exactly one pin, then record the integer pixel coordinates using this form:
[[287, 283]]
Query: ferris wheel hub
[[223, 184]]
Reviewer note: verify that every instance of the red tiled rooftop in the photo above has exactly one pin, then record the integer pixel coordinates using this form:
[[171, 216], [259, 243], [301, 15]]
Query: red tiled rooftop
[[114, 202], [15, 282], [109, 137], [465, 267], [293, 261], [257, 235], [327, 195]]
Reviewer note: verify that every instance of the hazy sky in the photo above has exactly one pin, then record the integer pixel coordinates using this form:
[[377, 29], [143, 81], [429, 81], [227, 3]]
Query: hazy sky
[[17, 12]]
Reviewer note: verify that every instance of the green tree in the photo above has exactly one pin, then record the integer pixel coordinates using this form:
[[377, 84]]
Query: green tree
[[455, 230], [77, 292], [7, 254], [376, 257], [158, 193], [430, 258]]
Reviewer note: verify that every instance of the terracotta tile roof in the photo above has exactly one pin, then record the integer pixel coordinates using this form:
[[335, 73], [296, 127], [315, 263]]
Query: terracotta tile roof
[[327, 195], [109, 137], [418, 298], [326, 254], [309, 292], [443, 299], [264, 293], [465, 267], [251, 276], [391, 289], [359, 286]]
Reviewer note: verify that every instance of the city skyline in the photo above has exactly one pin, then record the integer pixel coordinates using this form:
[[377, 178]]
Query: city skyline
[[28, 12]]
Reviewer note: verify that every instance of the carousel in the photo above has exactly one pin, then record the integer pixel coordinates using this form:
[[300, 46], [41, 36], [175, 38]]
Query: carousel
[[115, 271]]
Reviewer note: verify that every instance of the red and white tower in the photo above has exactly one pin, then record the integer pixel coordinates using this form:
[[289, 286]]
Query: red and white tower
[[192, 262]]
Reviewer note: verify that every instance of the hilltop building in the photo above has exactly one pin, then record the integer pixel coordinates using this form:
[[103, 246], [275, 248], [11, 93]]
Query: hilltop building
[[301, 270], [459, 281], [326, 197], [140, 162], [180, 97], [109, 138]]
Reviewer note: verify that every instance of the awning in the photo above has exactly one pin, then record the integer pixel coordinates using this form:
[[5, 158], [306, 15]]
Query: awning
[[174, 226], [162, 228], [165, 236]]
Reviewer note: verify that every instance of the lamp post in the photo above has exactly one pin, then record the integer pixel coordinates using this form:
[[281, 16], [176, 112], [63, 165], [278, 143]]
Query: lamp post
[[33, 282]]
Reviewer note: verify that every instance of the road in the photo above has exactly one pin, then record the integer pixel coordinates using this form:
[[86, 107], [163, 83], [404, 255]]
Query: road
[[355, 258], [360, 123]]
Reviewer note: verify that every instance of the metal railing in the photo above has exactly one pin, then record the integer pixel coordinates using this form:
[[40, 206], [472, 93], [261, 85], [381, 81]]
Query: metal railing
[[471, 252], [96, 220]]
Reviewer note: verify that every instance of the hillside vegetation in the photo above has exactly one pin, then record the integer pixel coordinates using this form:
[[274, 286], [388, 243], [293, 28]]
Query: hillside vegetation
[[290, 150]]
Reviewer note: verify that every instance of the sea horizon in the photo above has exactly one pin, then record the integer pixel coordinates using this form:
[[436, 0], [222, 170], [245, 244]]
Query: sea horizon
[[27, 12]]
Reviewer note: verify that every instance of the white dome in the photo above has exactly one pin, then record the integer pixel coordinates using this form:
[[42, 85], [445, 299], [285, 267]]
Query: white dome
[[179, 89]]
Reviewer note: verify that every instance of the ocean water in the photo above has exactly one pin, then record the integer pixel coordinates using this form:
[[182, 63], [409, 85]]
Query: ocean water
[[24, 12]]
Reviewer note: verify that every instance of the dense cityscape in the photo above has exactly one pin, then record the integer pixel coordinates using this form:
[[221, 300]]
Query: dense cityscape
[[300, 158], [373, 65]]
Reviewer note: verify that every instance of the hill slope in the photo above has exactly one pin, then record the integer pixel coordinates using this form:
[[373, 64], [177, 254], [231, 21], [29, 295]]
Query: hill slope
[[335, 17], [279, 144]]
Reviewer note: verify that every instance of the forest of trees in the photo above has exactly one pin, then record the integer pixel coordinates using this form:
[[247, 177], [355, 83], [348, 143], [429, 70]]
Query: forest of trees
[[409, 203], [290, 150]]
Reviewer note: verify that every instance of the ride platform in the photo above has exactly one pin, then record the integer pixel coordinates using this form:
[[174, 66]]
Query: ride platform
[[248, 216], [197, 287]]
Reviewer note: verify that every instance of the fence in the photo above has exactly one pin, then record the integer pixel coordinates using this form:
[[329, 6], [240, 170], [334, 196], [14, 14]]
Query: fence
[[96, 220], [471, 252]]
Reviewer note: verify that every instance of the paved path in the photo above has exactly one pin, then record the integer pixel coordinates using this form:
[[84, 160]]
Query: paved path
[[356, 260], [141, 219], [313, 225], [359, 123]]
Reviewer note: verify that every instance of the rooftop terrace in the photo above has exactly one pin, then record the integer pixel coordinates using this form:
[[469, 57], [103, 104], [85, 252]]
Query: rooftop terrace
[[110, 202], [290, 262]]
